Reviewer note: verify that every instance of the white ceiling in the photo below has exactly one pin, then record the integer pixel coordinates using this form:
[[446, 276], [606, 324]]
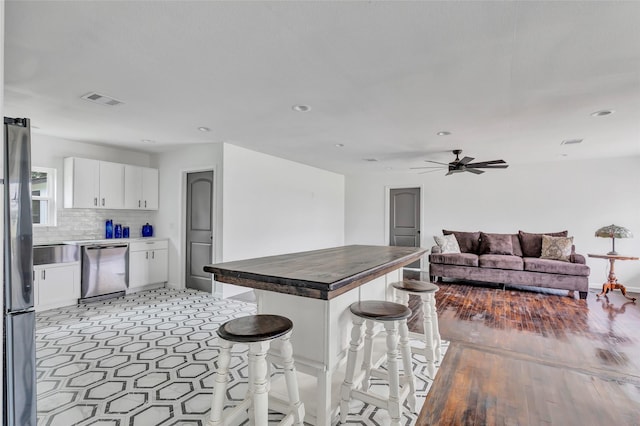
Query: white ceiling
[[509, 79]]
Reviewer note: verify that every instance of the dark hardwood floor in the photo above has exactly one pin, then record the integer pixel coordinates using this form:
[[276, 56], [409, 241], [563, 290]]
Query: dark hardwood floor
[[533, 357]]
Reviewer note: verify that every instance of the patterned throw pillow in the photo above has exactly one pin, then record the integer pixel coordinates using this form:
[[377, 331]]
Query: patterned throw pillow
[[556, 248], [447, 244]]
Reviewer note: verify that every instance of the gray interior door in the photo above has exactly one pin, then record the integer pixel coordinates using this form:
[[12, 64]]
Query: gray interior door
[[404, 226], [199, 229]]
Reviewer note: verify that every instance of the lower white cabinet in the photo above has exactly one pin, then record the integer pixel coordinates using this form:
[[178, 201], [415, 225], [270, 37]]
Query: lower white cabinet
[[56, 285], [148, 262]]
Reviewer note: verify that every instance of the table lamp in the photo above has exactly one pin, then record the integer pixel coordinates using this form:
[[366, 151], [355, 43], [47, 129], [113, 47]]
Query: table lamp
[[613, 232]]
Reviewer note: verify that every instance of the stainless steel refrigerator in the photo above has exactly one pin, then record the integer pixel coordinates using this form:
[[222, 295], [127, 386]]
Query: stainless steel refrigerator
[[18, 315]]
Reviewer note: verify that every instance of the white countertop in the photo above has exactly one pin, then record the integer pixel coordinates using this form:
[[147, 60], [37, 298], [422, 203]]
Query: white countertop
[[112, 241]]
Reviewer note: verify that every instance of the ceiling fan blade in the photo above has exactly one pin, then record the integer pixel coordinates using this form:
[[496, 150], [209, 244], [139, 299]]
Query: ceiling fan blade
[[486, 163], [428, 171], [474, 171], [496, 166], [450, 172], [436, 162], [465, 160]]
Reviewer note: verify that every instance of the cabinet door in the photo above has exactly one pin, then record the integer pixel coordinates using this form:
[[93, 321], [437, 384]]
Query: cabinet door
[[149, 188], [132, 187], [111, 185], [82, 183], [158, 271], [57, 284], [138, 269]]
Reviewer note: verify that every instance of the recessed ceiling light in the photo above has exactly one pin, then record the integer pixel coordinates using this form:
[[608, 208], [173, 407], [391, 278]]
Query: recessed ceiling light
[[571, 141], [371, 160], [147, 141], [443, 133], [602, 113], [339, 145], [204, 129], [564, 155], [301, 108]]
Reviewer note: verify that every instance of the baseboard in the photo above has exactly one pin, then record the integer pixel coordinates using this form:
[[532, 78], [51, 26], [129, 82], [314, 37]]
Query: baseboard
[[632, 289]]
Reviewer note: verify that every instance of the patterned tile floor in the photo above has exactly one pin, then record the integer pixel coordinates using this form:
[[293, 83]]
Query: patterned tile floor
[[148, 359]]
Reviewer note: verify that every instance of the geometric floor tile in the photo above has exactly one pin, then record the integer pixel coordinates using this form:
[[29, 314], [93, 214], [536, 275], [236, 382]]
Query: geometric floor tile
[[149, 359]]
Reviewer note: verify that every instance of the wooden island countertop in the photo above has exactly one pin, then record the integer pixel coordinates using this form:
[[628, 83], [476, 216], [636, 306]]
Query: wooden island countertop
[[319, 274]]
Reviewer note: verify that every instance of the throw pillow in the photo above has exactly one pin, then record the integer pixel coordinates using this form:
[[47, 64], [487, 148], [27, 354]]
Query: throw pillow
[[447, 244], [532, 243], [496, 244], [469, 242], [556, 248]]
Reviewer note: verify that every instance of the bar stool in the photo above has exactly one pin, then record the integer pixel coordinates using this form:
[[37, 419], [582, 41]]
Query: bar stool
[[257, 331], [394, 317], [432, 341]]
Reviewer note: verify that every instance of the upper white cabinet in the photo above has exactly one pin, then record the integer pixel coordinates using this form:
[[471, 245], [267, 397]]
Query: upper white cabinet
[[106, 185], [140, 188]]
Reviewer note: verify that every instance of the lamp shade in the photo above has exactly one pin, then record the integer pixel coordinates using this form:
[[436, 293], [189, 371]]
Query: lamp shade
[[614, 231]]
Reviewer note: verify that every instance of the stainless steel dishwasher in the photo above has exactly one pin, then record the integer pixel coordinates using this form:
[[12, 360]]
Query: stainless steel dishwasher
[[104, 271]]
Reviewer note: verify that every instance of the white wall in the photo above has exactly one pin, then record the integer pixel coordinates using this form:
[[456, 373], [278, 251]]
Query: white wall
[[75, 224], [173, 166], [273, 206], [580, 196]]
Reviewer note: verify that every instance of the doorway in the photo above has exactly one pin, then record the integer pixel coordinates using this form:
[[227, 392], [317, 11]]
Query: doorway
[[199, 230], [404, 219]]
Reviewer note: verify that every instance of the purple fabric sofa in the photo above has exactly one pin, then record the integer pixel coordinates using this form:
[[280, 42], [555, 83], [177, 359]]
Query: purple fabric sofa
[[509, 259]]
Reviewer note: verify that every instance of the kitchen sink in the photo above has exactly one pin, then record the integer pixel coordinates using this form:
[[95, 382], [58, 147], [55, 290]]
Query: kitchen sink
[[55, 253]]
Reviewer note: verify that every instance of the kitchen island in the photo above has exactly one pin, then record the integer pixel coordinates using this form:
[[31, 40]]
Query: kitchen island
[[314, 289]]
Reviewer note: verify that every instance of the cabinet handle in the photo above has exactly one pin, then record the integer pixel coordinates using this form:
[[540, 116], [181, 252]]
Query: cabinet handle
[[153, 254], [139, 204], [103, 202], [146, 255], [95, 201], [44, 275], [145, 204]]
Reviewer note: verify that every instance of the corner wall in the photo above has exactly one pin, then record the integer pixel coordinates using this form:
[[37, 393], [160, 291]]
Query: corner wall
[[580, 196]]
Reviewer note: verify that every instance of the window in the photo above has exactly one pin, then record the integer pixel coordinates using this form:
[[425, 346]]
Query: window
[[43, 195]]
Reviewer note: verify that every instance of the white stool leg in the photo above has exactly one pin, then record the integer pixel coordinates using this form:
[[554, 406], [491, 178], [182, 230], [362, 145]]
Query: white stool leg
[[297, 408], [368, 349], [220, 384], [258, 360], [354, 348], [429, 352], [395, 410], [405, 350], [436, 329]]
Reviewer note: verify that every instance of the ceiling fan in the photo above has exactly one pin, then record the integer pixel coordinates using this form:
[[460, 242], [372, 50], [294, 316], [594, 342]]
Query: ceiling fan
[[465, 165]]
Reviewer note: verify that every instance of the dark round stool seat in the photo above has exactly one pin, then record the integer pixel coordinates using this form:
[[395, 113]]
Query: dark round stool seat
[[379, 310], [416, 286], [255, 328]]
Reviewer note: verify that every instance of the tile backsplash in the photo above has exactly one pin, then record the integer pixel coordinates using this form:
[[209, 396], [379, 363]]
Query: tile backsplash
[[88, 224]]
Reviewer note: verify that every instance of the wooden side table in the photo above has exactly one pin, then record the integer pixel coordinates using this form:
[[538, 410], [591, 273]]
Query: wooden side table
[[612, 281]]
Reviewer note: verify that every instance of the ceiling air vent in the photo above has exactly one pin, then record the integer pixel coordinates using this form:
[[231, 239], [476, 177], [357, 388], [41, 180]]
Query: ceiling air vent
[[571, 141], [101, 99]]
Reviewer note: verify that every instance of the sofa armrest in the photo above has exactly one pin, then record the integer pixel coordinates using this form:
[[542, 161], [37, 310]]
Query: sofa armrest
[[436, 250], [577, 258]]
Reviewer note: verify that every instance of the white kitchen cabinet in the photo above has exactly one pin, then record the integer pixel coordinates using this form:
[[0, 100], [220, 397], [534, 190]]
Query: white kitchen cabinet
[[93, 184], [140, 188], [148, 262], [56, 285]]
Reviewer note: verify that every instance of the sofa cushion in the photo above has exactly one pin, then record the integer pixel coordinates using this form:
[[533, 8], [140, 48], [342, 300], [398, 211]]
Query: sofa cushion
[[535, 264], [447, 243], [460, 259], [469, 242], [532, 243], [496, 244], [556, 248], [501, 261], [515, 243]]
